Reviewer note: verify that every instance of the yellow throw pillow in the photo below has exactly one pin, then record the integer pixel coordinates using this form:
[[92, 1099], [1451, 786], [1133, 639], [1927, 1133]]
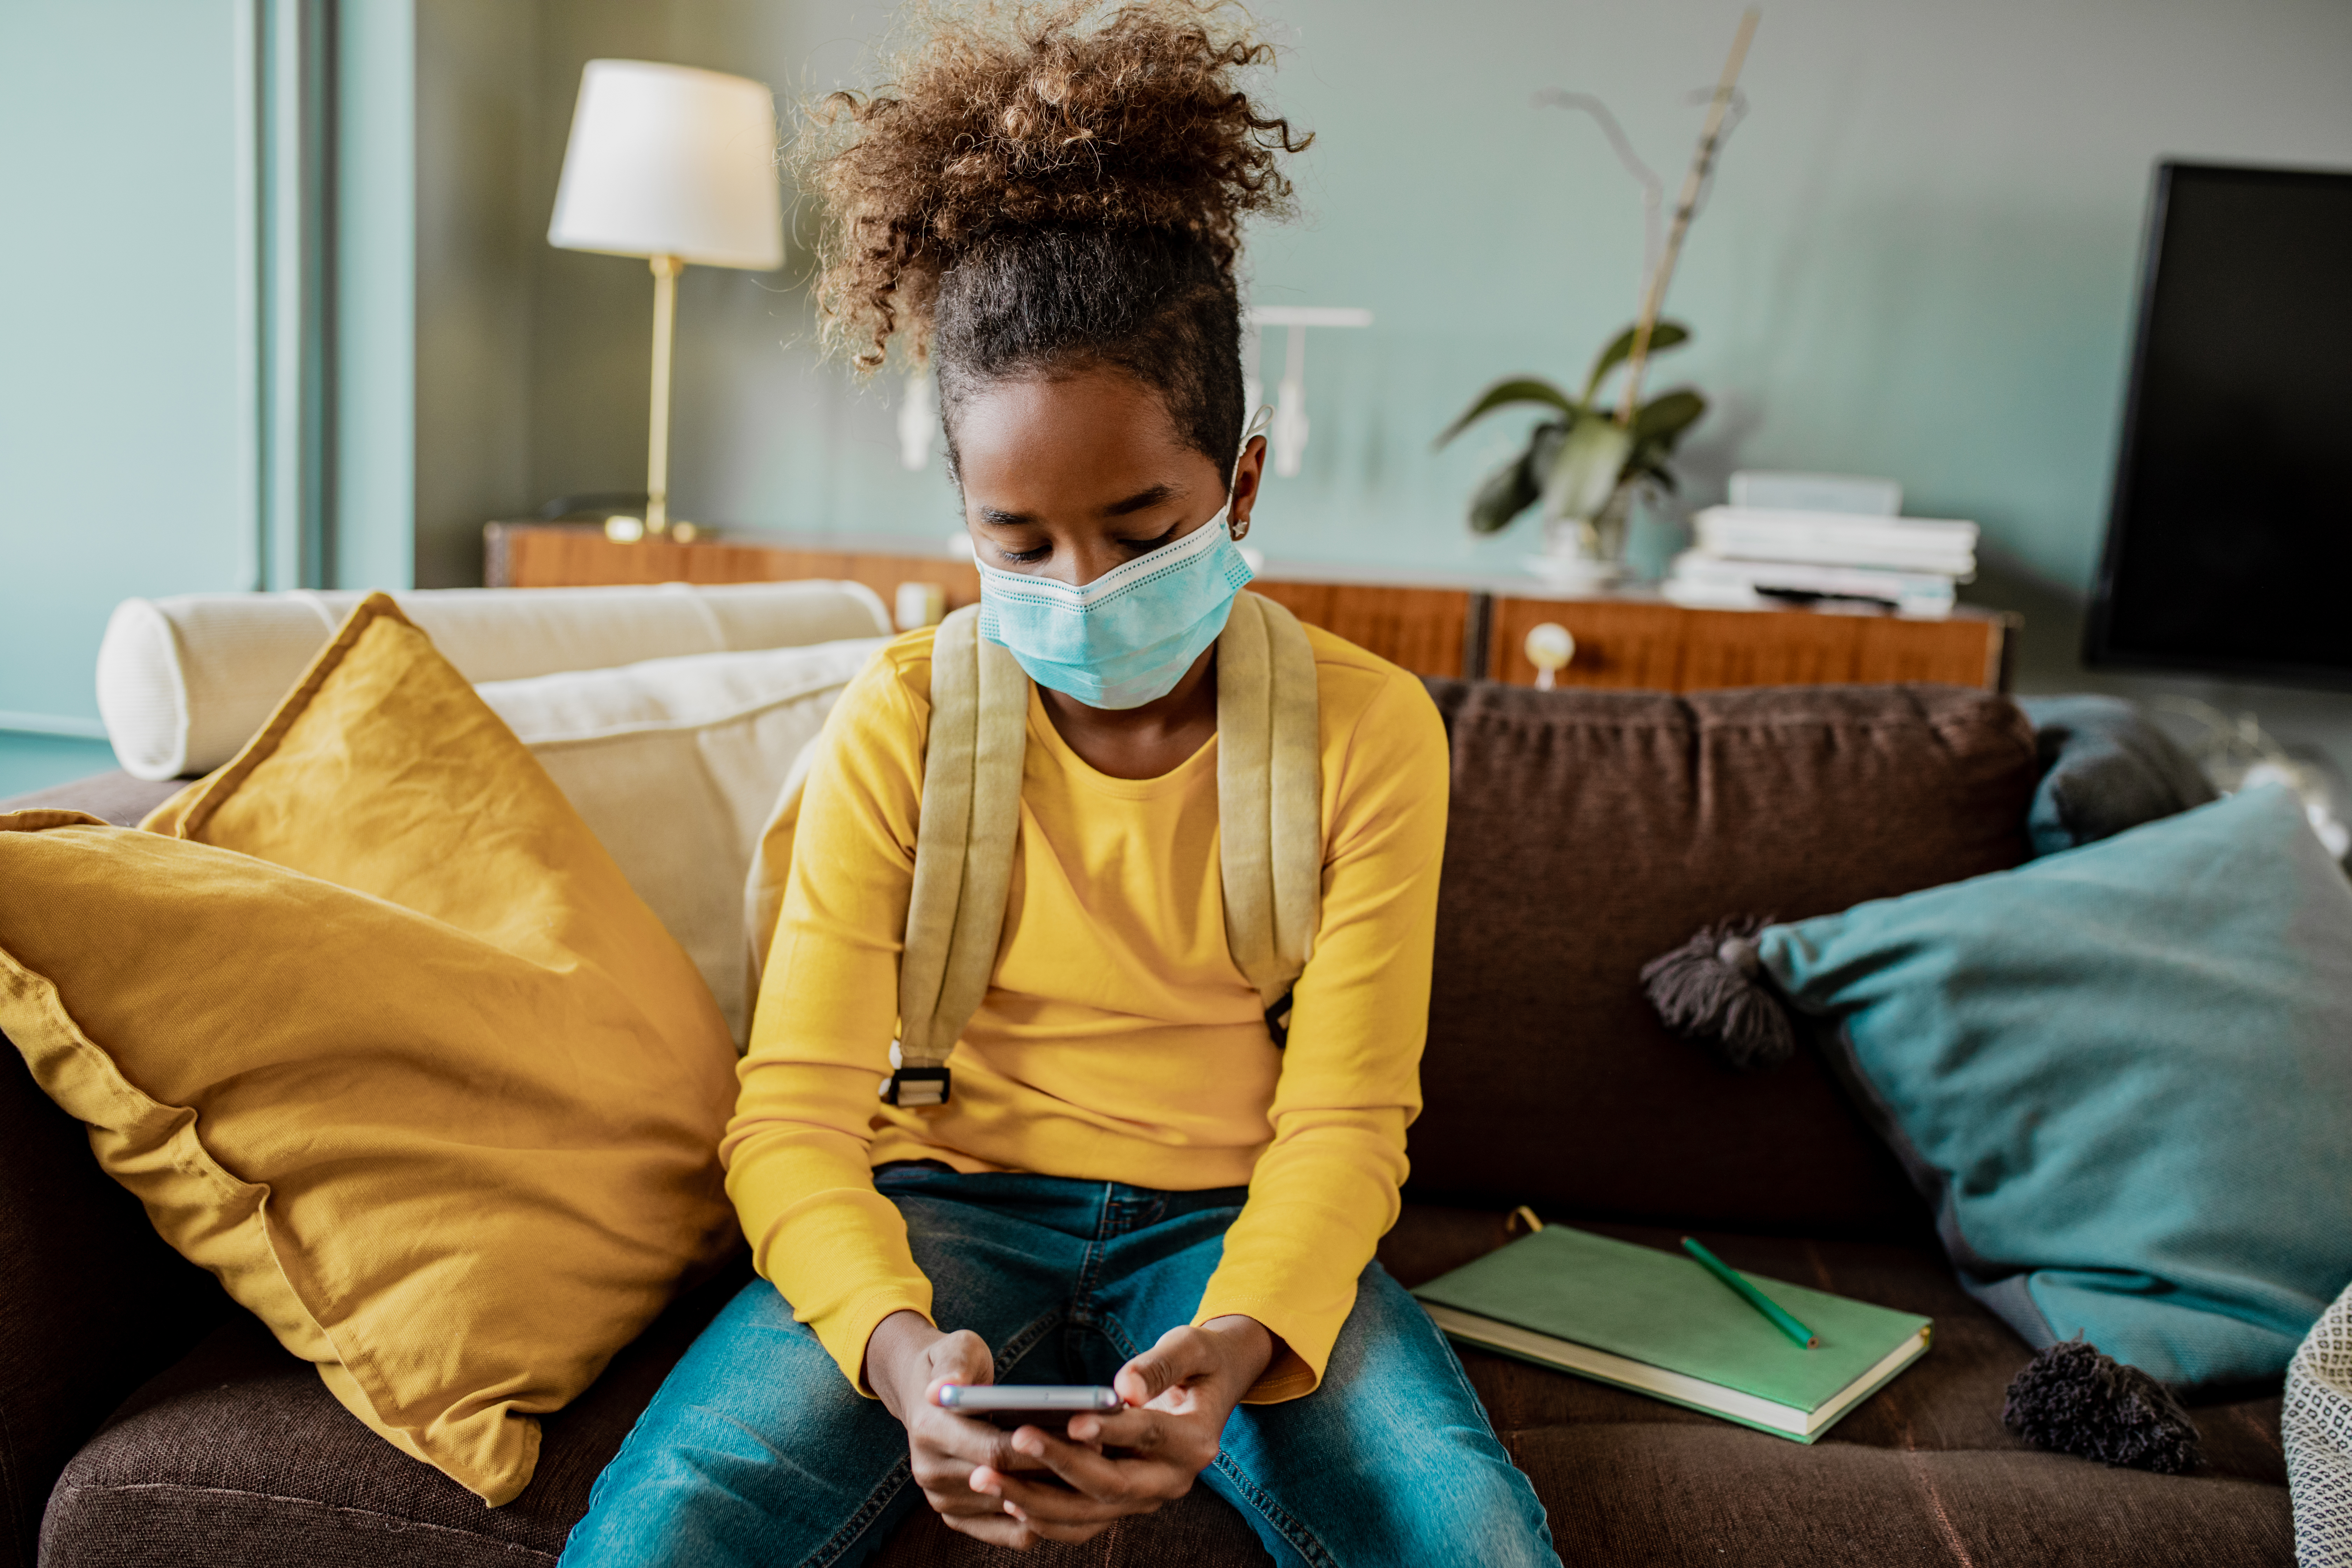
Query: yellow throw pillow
[[379, 1034]]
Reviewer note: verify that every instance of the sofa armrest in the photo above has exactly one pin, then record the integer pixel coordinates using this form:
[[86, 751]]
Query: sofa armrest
[[92, 1303]]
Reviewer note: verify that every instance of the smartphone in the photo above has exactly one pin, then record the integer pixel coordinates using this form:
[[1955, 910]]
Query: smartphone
[[1028, 1404]]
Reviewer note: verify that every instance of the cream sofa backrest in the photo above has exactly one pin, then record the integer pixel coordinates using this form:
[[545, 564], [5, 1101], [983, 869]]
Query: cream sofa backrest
[[183, 682], [675, 764], [668, 715]]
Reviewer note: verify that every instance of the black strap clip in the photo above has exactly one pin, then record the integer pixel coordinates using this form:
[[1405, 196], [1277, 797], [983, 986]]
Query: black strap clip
[[916, 1086], [1277, 1020]]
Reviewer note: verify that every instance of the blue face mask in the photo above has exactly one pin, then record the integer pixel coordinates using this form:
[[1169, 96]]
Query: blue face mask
[[1127, 637]]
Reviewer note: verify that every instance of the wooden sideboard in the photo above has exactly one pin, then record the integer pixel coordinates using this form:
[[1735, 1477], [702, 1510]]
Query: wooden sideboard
[[1440, 628]]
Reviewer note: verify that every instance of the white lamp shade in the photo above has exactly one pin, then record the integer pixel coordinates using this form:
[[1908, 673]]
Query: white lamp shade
[[671, 161]]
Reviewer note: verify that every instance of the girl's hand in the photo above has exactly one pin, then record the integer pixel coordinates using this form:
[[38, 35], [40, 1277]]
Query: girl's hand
[[1179, 1394], [908, 1361]]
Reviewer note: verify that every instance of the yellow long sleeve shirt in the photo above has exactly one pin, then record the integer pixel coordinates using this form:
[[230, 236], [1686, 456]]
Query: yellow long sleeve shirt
[[1118, 1040]]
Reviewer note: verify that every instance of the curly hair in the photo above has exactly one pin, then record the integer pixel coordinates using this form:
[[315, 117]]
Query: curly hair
[[1047, 187]]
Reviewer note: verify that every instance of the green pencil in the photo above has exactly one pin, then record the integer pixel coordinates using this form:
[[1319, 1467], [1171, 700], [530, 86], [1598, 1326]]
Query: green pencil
[[1749, 1294]]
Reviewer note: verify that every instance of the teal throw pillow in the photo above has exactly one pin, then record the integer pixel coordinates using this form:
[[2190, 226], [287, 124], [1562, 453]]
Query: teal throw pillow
[[2123, 1076]]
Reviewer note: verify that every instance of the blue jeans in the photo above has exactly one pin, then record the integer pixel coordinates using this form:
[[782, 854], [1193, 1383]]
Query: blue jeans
[[757, 1450]]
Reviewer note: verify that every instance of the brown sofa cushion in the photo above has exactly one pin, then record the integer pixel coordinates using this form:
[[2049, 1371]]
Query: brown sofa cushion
[[238, 1457], [91, 1301], [1200, 1530], [1592, 831], [1920, 1473]]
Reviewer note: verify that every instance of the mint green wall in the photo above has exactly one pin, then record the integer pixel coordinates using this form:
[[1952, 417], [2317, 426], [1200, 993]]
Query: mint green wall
[[1919, 261], [122, 413], [131, 405], [30, 761]]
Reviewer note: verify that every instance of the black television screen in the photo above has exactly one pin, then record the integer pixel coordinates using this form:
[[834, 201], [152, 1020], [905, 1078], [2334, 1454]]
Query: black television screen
[[2230, 535]]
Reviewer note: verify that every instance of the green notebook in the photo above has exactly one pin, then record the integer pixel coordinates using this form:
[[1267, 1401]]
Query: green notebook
[[1658, 1324]]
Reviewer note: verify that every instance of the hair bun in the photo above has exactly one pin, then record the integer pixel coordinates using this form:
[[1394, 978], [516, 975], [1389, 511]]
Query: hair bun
[[1034, 116]]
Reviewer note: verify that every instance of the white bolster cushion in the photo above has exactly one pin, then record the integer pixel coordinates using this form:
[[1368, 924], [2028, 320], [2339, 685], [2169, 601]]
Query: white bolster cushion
[[675, 764], [183, 682]]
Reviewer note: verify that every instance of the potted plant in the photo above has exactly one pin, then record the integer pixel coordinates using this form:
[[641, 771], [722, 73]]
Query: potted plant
[[1587, 465]]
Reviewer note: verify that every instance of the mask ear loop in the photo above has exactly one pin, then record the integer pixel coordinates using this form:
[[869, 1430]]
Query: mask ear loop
[[1259, 424]]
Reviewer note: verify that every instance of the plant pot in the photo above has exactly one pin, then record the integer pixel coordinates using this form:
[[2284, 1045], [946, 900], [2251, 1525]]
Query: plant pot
[[1587, 554]]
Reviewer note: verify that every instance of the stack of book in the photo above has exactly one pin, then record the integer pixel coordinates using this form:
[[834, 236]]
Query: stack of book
[[1748, 557]]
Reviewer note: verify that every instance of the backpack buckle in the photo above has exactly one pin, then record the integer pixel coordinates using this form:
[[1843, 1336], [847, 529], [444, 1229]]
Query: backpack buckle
[[1277, 1020], [916, 1086]]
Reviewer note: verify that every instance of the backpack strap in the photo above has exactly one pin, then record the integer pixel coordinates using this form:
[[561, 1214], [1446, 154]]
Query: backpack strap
[[964, 847], [1270, 829], [1269, 799]]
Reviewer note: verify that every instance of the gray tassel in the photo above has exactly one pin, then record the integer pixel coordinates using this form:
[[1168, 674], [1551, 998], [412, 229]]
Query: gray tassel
[[2073, 1400], [1712, 989]]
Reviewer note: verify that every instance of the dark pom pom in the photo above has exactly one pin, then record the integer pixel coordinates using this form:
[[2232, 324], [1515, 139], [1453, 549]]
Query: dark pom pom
[[1712, 989], [2073, 1400]]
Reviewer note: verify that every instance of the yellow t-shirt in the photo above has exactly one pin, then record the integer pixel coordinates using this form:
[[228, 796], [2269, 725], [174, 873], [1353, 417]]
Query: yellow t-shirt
[[1118, 1041]]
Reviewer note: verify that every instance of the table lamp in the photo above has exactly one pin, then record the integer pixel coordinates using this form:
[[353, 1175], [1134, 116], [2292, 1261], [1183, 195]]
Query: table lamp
[[678, 165]]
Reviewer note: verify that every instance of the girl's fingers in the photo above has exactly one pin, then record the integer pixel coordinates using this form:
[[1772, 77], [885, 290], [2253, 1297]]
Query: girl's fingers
[[944, 1380], [987, 1483], [978, 1375], [964, 1502], [1042, 1503], [1034, 1501], [1181, 1353], [946, 1438], [1184, 1441], [1137, 1431], [1125, 1480], [961, 1357], [997, 1530]]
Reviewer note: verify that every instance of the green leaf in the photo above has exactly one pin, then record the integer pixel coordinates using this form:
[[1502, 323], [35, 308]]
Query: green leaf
[[1517, 484], [1513, 389], [1649, 463], [1663, 335], [1664, 417], [1592, 461]]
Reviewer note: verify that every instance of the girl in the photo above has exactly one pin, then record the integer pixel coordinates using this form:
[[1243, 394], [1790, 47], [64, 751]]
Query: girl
[[1129, 1182]]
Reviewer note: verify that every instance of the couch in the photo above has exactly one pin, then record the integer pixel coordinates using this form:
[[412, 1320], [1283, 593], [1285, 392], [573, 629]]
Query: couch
[[144, 1419]]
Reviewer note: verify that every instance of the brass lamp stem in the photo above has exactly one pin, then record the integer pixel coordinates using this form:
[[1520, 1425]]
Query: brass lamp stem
[[666, 269]]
